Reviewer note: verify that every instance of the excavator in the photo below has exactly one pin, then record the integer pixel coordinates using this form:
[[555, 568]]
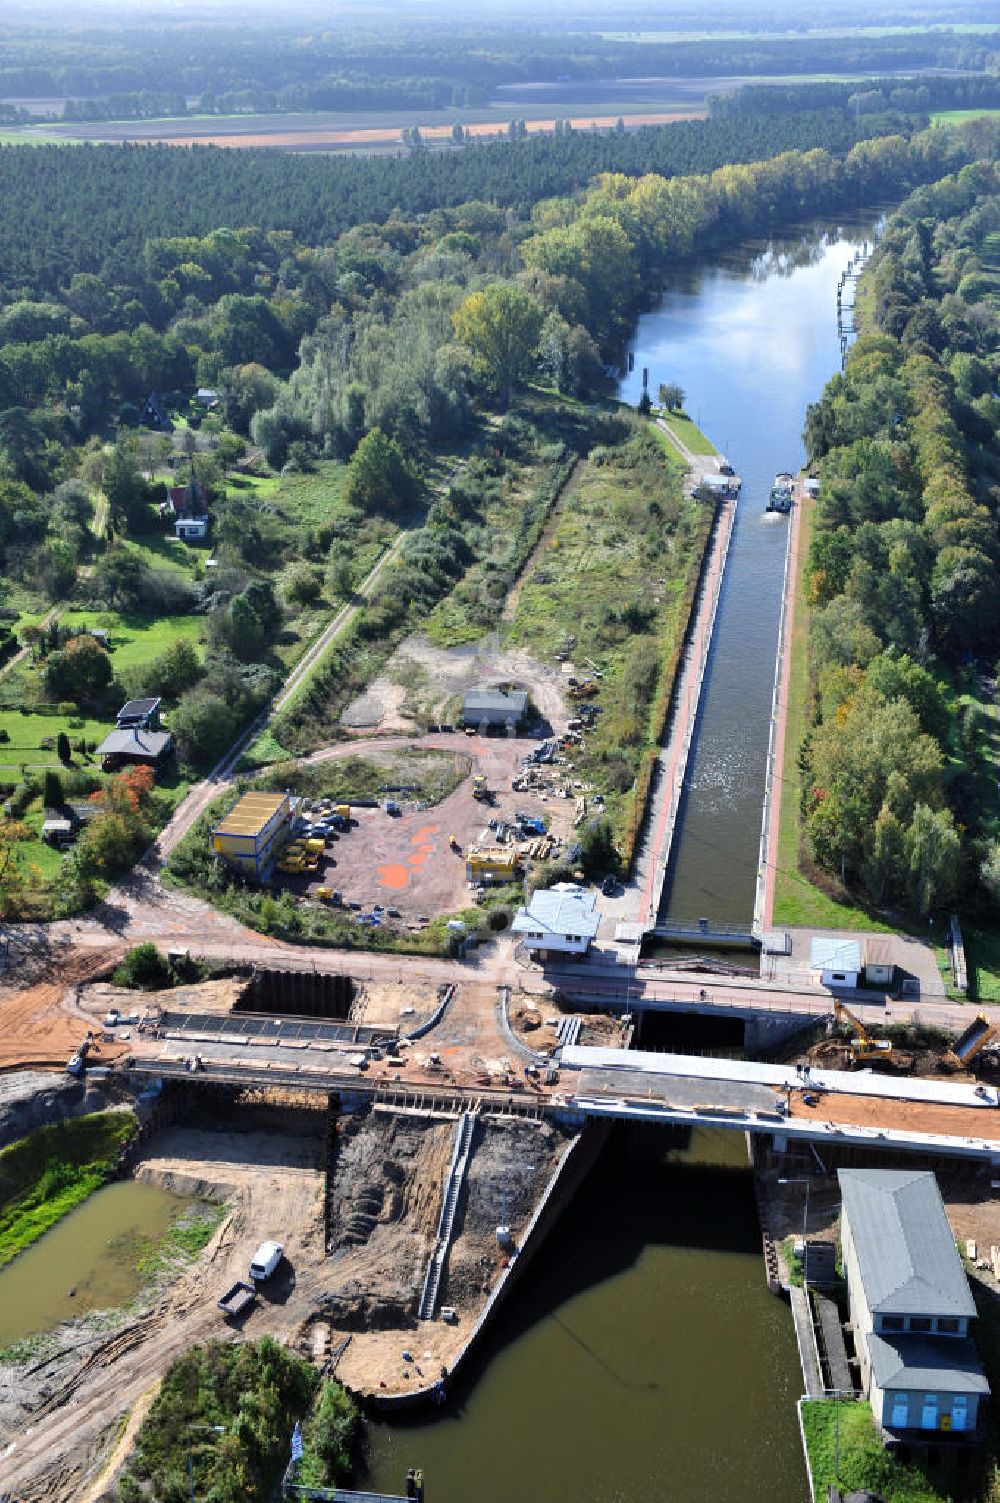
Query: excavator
[[863, 1046]]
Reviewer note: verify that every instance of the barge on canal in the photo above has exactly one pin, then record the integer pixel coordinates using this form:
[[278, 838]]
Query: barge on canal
[[782, 493]]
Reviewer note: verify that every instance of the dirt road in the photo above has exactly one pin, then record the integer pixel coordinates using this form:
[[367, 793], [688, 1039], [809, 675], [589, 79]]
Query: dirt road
[[222, 773], [276, 1187]]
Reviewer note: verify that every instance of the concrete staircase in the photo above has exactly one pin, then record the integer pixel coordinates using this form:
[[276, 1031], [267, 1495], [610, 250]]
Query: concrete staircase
[[464, 1129]]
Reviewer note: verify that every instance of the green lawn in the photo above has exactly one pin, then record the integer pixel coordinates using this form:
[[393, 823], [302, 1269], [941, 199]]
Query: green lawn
[[162, 550], [843, 1445], [689, 433], [27, 732], [956, 117], [136, 640]]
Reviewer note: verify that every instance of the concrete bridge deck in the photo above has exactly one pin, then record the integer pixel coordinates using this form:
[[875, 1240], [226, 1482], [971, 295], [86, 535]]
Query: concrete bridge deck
[[850, 1107]]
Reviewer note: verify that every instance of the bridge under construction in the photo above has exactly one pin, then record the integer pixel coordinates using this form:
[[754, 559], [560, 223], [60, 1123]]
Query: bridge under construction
[[787, 1103]]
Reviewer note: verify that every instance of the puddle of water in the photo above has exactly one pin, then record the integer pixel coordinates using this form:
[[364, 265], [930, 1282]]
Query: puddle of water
[[93, 1251]]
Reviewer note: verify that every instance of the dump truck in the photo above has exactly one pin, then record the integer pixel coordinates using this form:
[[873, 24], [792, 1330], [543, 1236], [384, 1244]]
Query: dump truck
[[479, 788], [863, 1046], [237, 1300], [975, 1038]]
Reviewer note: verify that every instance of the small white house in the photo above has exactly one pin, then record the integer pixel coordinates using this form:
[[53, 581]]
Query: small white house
[[561, 920], [191, 529], [837, 960], [910, 1305]]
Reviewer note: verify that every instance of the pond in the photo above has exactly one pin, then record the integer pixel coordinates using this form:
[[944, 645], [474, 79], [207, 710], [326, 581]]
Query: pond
[[88, 1261]]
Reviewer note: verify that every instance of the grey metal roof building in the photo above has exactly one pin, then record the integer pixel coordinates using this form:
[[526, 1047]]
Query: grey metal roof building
[[494, 706], [912, 1362], [136, 745], [906, 1252], [559, 913]]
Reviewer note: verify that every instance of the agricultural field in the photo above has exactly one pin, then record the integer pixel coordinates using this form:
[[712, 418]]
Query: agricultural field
[[367, 132], [958, 117]]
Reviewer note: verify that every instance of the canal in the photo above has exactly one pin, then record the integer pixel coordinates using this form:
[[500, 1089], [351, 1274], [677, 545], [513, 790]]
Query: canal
[[642, 1356], [751, 339]]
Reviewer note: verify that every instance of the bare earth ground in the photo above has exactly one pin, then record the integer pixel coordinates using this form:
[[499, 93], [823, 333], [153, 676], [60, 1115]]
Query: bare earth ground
[[56, 1422], [42, 1023], [422, 677], [406, 861], [973, 1209], [388, 1177], [60, 1418]]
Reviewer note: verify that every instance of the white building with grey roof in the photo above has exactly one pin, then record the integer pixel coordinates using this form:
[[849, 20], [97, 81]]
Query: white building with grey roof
[[560, 920], [910, 1306]]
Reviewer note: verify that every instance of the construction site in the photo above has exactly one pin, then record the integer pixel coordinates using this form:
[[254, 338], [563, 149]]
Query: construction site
[[409, 1143]]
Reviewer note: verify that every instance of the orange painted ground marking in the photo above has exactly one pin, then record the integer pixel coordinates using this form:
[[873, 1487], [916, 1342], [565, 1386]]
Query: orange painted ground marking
[[394, 875], [424, 832], [417, 859]]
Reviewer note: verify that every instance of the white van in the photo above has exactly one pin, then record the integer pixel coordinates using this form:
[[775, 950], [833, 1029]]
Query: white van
[[265, 1261]]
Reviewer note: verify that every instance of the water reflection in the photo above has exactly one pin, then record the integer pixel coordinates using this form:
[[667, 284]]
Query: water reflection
[[642, 1356], [751, 340]]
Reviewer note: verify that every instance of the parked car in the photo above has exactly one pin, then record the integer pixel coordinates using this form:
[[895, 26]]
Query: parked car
[[609, 886], [265, 1261]]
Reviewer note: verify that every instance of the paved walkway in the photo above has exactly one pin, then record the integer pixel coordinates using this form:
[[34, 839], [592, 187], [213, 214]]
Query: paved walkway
[[775, 783]]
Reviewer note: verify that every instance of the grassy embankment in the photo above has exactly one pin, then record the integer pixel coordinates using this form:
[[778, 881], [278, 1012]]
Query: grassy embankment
[[864, 1462], [688, 432], [528, 456], [433, 775], [808, 898], [799, 899], [49, 1172], [617, 575]]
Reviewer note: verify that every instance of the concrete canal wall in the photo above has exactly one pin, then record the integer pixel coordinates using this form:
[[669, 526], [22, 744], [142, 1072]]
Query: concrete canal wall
[[573, 1166], [674, 757]]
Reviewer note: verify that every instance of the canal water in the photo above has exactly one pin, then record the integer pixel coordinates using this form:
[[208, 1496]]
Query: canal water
[[752, 340], [641, 1356], [94, 1251]]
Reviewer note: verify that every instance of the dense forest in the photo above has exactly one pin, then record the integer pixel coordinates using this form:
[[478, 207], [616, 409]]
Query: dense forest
[[872, 96], [371, 351], [90, 210], [115, 68], [899, 795]]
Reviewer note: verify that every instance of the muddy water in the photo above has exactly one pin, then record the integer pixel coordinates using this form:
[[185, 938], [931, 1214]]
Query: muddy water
[[641, 1357], [92, 1252], [751, 340]]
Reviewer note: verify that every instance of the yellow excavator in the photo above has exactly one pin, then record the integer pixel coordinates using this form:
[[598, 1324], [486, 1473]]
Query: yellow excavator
[[863, 1046]]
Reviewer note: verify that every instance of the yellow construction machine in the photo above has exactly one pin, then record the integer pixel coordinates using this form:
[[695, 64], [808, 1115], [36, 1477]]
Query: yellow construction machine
[[863, 1046]]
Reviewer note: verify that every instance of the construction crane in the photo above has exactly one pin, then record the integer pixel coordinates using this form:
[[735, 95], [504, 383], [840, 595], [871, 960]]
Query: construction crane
[[863, 1046]]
